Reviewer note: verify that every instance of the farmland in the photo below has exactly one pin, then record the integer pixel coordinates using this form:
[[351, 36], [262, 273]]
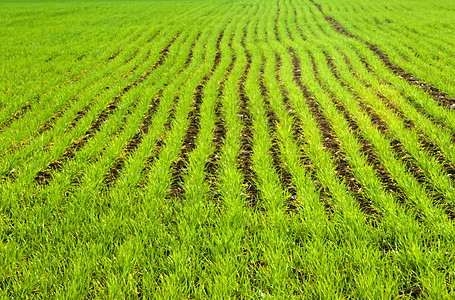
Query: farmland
[[227, 149]]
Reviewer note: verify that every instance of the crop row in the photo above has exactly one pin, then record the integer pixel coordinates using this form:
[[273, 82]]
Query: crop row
[[229, 150]]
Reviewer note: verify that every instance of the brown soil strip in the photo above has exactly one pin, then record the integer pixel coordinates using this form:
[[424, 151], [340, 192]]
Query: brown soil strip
[[135, 52], [318, 6], [153, 36], [367, 149], [332, 143], [280, 169], [44, 177], [81, 57], [48, 124], [286, 23], [416, 106], [246, 164], [296, 122], [133, 144], [19, 114], [116, 53], [275, 25], [375, 118], [441, 97], [159, 142], [312, 13], [189, 143], [407, 122], [299, 29], [337, 26], [79, 115], [435, 152], [211, 166], [179, 166], [410, 164], [190, 54], [297, 129]]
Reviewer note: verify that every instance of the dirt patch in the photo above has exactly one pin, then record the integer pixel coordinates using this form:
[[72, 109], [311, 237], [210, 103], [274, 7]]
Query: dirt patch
[[414, 292]]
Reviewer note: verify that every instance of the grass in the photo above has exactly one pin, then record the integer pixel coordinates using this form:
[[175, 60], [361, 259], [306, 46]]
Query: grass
[[241, 149]]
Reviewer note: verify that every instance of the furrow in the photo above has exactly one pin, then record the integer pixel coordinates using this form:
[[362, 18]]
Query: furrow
[[212, 165], [134, 142], [190, 54], [21, 112], [44, 176], [83, 93], [246, 141], [441, 97], [332, 143], [189, 142], [275, 22], [367, 148], [395, 160], [272, 119], [296, 125]]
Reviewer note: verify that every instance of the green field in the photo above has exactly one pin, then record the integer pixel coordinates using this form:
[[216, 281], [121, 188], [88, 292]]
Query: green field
[[252, 149]]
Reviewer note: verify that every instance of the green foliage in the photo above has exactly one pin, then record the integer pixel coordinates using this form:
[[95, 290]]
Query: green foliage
[[227, 149]]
